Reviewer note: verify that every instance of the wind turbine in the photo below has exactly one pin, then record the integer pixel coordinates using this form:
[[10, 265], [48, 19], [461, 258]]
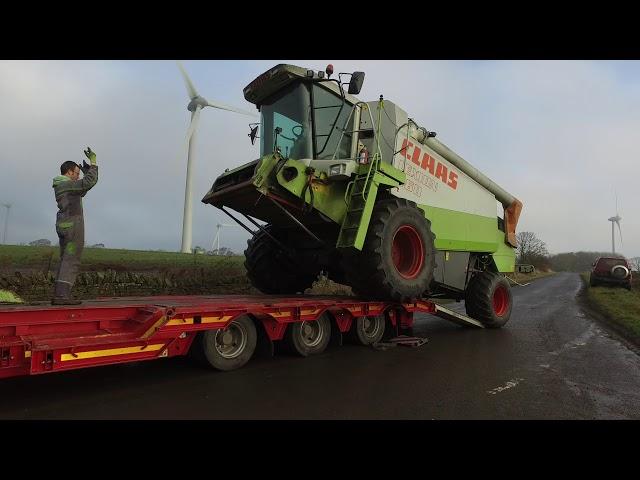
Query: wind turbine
[[6, 222], [216, 239], [613, 220], [196, 104]]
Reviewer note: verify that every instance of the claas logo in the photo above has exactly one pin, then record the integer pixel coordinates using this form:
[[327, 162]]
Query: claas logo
[[429, 164]]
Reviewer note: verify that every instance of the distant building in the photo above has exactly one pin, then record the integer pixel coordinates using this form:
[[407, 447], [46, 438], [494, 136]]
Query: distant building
[[223, 251], [97, 245], [43, 242]]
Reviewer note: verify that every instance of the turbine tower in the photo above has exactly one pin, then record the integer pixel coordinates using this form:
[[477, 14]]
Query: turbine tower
[[216, 240], [196, 104], [6, 223]]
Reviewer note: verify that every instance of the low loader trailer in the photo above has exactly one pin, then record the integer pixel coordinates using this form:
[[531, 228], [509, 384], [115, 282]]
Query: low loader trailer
[[221, 331]]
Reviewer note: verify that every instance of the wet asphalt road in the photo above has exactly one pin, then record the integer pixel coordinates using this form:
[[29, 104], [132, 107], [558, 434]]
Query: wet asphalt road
[[551, 361]]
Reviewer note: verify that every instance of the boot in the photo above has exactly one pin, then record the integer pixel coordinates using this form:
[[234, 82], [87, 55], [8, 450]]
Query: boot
[[62, 295], [65, 301]]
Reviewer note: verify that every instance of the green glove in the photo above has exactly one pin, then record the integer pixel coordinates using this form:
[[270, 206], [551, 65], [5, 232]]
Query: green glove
[[90, 155]]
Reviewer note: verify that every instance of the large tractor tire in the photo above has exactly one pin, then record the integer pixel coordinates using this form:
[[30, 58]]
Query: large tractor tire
[[398, 257], [273, 271], [488, 299]]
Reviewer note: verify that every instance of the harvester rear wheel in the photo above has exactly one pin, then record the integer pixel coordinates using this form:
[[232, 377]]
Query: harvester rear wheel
[[274, 271], [488, 299], [398, 256]]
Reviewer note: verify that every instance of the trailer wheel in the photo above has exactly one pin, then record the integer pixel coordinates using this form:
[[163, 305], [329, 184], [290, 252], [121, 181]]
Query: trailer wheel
[[231, 347], [367, 330], [488, 299], [271, 270], [309, 337], [398, 257], [592, 281]]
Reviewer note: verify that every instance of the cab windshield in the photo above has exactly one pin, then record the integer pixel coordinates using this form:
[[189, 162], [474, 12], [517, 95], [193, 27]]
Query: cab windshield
[[299, 131], [289, 110]]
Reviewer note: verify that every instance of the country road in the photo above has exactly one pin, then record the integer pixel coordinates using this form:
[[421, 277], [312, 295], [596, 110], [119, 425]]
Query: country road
[[551, 361]]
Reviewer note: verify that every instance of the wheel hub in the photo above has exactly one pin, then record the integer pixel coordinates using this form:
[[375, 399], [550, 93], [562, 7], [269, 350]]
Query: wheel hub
[[500, 300], [370, 327], [312, 333], [231, 341], [407, 252]]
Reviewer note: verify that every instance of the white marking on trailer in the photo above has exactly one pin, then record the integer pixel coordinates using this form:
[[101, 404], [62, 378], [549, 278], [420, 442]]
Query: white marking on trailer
[[510, 384]]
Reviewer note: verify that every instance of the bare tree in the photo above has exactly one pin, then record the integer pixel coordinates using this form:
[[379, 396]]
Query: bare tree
[[634, 263], [530, 248]]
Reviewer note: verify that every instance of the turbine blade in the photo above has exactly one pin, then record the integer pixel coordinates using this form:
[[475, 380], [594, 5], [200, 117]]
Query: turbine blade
[[620, 230], [191, 90], [231, 109]]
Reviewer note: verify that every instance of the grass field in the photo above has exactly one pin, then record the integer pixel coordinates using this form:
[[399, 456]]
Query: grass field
[[13, 257], [9, 297], [620, 306]]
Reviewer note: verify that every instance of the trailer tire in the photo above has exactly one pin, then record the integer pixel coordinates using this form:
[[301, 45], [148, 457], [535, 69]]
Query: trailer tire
[[273, 271], [592, 281], [230, 348], [398, 256], [309, 337], [367, 330], [488, 299]]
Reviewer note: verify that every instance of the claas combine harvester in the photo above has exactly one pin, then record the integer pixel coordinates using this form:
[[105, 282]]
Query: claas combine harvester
[[362, 192]]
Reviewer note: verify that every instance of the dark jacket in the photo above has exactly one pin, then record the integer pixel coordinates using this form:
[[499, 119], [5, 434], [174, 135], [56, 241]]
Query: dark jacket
[[69, 195]]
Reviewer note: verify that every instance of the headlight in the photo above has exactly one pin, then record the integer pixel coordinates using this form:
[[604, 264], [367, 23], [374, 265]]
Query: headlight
[[337, 169]]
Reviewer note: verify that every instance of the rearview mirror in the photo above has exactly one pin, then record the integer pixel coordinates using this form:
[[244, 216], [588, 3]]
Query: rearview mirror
[[252, 135], [355, 85]]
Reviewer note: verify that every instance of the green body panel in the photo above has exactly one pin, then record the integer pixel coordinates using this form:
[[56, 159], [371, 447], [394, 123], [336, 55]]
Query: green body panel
[[328, 197], [462, 231], [261, 177], [505, 256], [457, 231]]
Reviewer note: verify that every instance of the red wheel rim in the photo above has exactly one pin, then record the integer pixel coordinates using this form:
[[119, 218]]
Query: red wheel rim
[[500, 300], [407, 252]]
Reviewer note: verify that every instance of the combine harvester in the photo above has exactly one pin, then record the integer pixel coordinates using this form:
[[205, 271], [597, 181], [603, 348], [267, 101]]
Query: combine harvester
[[355, 189]]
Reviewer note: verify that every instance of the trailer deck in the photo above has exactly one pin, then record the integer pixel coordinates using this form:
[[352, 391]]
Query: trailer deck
[[40, 338]]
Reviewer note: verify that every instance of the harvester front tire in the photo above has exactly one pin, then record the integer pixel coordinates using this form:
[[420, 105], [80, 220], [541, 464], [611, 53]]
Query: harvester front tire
[[488, 299], [273, 271], [398, 256]]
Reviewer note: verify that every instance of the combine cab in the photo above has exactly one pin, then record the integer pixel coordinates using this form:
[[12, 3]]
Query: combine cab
[[362, 192]]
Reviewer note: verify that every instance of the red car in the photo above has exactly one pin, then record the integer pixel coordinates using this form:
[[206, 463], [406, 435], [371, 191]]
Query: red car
[[611, 271]]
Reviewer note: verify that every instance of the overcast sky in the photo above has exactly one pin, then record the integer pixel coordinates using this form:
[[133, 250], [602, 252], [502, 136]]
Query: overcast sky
[[559, 135]]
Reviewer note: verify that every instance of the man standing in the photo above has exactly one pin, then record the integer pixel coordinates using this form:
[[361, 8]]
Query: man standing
[[69, 190]]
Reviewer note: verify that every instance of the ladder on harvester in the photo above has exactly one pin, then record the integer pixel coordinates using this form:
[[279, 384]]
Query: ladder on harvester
[[360, 197]]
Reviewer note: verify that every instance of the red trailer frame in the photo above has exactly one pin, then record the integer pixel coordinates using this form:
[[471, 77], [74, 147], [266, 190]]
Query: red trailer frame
[[41, 338]]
